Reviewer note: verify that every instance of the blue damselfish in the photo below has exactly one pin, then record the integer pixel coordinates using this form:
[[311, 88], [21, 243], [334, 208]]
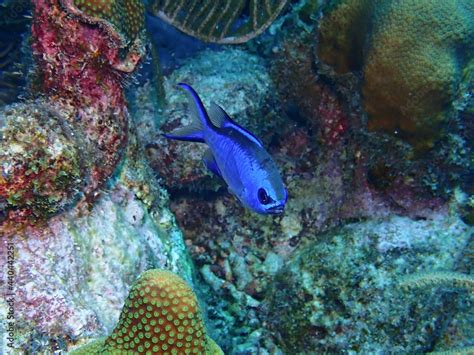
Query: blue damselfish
[[236, 155]]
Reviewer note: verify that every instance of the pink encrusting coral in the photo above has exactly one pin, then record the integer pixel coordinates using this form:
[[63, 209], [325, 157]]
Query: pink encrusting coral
[[316, 102], [71, 139], [334, 121]]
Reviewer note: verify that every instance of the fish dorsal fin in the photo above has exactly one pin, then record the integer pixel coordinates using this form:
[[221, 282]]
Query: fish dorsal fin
[[210, 163], [218, 116], [221, 119]]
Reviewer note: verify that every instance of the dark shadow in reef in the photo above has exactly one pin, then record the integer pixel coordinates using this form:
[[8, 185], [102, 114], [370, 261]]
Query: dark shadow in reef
[[206, 195], [173, 46], [15, 18]]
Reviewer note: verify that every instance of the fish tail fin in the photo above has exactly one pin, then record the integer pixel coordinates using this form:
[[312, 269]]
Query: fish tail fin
[[184, 135], [196, 107], [200, 119]]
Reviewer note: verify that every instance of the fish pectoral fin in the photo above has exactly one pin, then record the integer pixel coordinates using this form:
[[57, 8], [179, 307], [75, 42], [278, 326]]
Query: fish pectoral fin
[[231, 192], [210, 163]]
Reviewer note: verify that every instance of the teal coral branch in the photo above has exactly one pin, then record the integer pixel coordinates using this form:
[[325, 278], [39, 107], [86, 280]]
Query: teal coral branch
[[441, 278], [438, 278], [464, 351]]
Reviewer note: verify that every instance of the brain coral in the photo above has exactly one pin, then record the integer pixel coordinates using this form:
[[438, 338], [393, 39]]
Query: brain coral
[[161, 316], [342, 33], [413, 59]]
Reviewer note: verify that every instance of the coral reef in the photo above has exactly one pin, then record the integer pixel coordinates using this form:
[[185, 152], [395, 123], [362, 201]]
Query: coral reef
[[243, 93], [160, 315], [70, 68], [72, 272], [325, 170], [411, 56], [355, 36], [220, 21], [328, 171], [344, 289], [371, 254], [72, 276], [239, 253]]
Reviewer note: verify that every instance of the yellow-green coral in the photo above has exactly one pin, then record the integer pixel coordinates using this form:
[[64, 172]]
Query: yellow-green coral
[[342, 33], [412, 53], [127, 16], [161, 316]]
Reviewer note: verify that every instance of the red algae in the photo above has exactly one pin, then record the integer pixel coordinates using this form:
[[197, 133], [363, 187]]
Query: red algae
[[79, 70], [82, 62]]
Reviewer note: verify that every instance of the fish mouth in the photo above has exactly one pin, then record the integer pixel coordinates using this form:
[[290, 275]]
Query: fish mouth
[[276, 209]]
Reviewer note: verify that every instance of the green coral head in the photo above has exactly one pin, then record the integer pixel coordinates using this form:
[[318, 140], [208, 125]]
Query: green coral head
[[161, 316]]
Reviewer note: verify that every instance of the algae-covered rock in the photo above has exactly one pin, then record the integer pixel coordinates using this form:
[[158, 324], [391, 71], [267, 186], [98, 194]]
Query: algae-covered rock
[[41, 163], [341, 292]]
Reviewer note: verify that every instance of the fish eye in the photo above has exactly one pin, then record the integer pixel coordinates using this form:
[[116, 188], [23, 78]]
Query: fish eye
[[263, 197]]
